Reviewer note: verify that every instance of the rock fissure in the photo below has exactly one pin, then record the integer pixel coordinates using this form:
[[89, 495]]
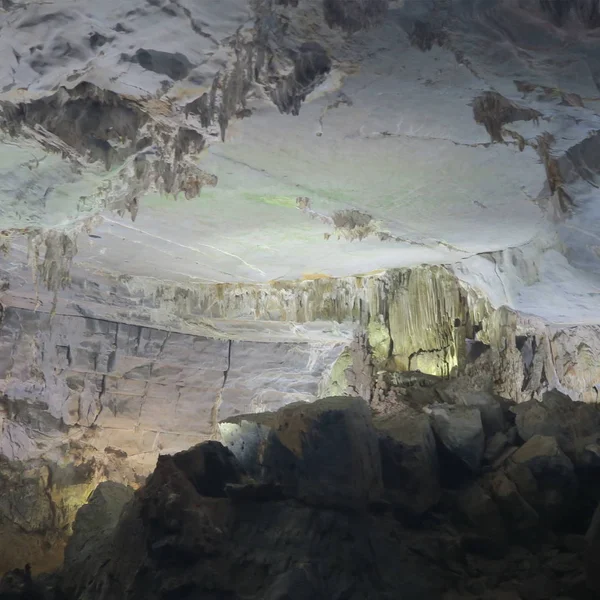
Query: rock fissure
[[214, 413]]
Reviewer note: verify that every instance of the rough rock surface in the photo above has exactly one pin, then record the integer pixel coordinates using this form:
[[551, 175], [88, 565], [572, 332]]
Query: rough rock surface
[[541, 462], [410, 468], [137, 390], [323, 452], [202, 527], [93, 525], [447, 118], [39, 500], [575, 427], [316, 142]]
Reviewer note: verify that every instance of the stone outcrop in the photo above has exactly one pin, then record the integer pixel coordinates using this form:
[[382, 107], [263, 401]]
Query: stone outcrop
[[409, 461], [204, 525], [136, 390], [322, 453], [180, 541], [130, 392], [460, 432], [575, 427], [92, 528]]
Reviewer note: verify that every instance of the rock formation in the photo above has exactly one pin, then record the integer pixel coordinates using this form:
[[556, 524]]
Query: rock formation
[[269, 515], [211, 212]]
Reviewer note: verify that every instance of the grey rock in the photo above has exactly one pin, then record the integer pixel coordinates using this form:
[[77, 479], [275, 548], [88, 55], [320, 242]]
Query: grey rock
[[495, 446], [513, 436], [409, 460], [210, 467], [490, 409], [482, 513], [521, 519], [92, 531], [553, 473], [171, 541], [174, 65], [543, 456], [100, 514], [24, 500], [575, 425], [460, 432], [326, 452]]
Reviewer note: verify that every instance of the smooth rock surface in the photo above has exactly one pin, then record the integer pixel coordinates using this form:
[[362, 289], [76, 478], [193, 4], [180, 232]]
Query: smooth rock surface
[[460, 432]]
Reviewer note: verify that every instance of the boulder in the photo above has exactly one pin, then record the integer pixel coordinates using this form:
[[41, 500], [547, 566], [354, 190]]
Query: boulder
[[480, 511], [495, 446], [210, 467], [180, 515], [521, 519], [409, 461], [575, 425], [543, 456], [325, 452], [553, 473], [490, 409], [100, 515], [589, 456], [459, 431], [523, 478], [172, 542]]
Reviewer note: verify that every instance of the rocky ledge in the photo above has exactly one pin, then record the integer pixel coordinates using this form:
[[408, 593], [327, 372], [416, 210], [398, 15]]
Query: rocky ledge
[[447, 496]]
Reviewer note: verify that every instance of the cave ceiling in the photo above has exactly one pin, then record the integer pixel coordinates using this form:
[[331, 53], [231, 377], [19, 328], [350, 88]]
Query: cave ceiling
[[159, 143]]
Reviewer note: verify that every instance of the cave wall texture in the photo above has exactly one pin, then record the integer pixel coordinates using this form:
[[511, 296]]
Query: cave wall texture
[[210, 209]]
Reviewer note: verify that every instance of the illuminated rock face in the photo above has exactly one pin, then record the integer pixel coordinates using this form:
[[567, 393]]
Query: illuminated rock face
[[138, 390], [142, 390]]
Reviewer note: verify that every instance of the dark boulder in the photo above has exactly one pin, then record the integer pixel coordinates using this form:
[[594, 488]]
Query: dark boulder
[[545, 477], [409, 461], [459, 431], [575, 425], [325, 453]]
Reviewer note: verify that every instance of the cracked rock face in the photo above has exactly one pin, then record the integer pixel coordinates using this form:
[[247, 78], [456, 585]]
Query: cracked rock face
[[211, 209]]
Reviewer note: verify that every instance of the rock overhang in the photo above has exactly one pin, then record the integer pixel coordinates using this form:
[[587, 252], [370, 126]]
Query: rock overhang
[[320, 149], [385, 130]]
